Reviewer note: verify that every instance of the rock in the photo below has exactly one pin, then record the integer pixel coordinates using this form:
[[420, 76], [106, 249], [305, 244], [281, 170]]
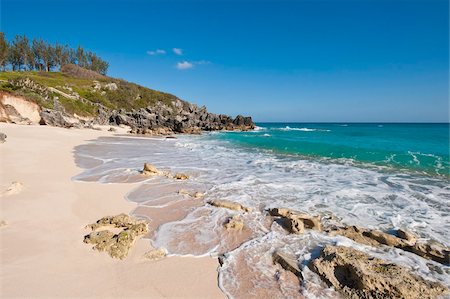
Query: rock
[[357, 275], [198, 195], [118, 221], [111, 86], [181, 176], [229, 205], [436, 252], [288, 262], [2, 137], [116, 245], [155, 254], [191, 194], [111, 129], [408, 236], [294, 217], [234, 223], [149, 169]]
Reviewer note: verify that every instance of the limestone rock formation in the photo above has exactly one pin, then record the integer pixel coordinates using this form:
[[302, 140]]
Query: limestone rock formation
[[181, 176], [234, 223], [150, 170], [435, 252], [116, 245], [229, 205], [297, 221], [159, 117], [194, 194], [357, 275], [288, 262]]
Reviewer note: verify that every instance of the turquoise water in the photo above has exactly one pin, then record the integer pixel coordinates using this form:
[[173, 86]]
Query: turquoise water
[[417, 147]]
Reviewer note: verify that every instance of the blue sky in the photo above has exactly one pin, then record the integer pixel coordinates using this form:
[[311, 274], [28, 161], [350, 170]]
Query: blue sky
[[304, 60]]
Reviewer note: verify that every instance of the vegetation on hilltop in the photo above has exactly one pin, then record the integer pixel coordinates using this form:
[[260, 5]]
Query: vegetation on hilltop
[[83, 92], [37, 54]]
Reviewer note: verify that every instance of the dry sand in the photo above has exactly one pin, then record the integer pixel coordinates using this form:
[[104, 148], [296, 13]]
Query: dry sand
[[42, 253]]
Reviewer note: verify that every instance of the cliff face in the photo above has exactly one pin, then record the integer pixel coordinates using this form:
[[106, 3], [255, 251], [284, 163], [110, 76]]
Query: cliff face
[[71, 100]]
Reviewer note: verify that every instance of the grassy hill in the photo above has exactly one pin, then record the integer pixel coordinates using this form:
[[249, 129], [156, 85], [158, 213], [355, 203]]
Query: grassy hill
[[79, 91]]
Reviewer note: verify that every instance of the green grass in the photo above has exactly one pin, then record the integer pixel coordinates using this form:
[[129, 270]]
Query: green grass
[[128, 95]]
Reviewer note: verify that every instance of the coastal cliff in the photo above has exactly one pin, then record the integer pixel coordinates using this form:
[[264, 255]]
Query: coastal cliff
[[81, 98]]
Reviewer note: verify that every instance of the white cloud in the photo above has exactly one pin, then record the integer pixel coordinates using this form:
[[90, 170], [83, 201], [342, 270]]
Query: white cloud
[[184, 65], [156, 52], [177, 51]]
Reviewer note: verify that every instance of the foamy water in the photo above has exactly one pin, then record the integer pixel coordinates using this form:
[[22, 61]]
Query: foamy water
[[368, 197]]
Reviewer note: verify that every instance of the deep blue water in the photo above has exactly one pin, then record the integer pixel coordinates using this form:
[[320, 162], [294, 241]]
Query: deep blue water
[[416, 147]]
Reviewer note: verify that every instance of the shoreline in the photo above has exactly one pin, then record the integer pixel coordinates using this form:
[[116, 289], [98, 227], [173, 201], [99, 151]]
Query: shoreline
[[42, 243]]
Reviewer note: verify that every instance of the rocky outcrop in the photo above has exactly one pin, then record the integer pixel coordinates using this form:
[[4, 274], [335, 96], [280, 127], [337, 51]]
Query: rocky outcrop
[[159, 118], [3, 137], [234, 223], [116, 245], [295, 222], [357, 275], [405, 241], [229, 205], [179, 117], [287, 262]]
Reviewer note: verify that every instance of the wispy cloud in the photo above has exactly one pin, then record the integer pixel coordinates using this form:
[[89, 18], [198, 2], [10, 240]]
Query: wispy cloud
[[184, 65], [156, 52], [177, 51]]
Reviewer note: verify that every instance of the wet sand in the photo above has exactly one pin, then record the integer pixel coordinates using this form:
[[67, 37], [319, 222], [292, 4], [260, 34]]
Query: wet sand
[[42, 253]]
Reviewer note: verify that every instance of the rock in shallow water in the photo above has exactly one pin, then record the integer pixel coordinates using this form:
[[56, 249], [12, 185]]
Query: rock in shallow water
[[296, 221], [234, 223], [358, 275], [288, 262], [435, 252], [229, 205]]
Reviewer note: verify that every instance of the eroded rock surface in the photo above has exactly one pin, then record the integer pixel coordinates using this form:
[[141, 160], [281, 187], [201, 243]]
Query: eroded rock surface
[[435, 252], [229, 205], [116, 245], [181, 176], [295, 222], [357, 275], [234, 223], [288, 262], [150, 170]]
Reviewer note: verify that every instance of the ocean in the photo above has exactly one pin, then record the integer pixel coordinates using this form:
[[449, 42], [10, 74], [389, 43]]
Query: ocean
[[383, 176]]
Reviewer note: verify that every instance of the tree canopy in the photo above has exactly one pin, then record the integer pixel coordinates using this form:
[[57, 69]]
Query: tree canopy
[[37, 54]]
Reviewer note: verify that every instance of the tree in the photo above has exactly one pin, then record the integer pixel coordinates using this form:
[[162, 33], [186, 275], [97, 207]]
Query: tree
[[3, 51], [48, 57], [38, 48]]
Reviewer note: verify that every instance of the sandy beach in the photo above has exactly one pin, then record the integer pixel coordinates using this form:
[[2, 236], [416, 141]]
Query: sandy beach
[[42, 249]]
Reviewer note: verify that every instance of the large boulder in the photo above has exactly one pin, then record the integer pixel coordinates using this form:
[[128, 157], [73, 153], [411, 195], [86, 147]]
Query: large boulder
[[358, 275]]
